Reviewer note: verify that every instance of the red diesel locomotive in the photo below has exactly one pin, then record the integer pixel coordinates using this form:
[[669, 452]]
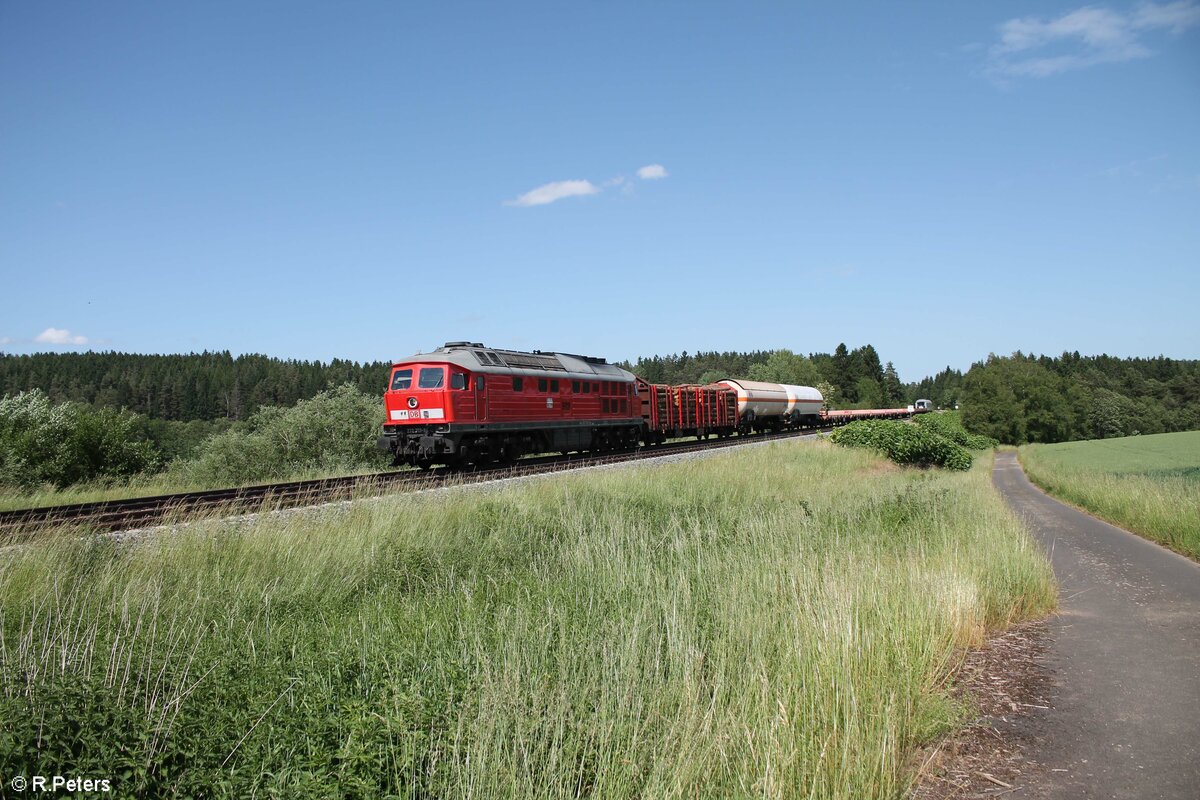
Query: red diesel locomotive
[[468, 403]]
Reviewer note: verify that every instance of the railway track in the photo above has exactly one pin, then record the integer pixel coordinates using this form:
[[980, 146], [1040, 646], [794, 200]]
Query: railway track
[[138, 512]]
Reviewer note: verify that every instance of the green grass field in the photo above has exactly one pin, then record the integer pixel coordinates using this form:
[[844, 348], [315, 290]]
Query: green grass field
[[1148, 484], [779, 622]]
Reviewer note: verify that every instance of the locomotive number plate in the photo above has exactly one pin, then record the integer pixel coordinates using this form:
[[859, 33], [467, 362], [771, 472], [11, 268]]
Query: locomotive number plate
[[419, 413]]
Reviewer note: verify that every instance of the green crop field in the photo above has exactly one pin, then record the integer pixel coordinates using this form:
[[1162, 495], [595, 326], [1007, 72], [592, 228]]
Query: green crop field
[[779, 622], [1148, 484]]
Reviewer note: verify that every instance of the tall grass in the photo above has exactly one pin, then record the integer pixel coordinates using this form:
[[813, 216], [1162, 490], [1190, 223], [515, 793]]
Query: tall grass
[[147, 485], [1147, 484], [773, 623]]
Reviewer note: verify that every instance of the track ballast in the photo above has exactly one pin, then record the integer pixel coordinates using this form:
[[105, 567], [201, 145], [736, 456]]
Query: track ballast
[[140, 512]]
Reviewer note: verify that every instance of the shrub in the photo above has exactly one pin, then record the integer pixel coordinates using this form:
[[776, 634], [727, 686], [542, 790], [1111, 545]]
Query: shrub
[[949, 424], [41, 442], [336, 430], [904, 443]]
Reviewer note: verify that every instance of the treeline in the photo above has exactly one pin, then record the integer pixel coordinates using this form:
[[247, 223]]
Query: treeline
[[196, 386], [1025, 398], [943, 389], [847, 378]]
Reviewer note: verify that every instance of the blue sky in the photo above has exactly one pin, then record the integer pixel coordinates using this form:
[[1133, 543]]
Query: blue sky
[[369, 180]]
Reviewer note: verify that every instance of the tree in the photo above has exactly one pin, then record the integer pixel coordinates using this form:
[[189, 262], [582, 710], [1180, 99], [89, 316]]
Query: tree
[[841, 376], [893, 389], [870, 393], [784, 366], [989, 406]]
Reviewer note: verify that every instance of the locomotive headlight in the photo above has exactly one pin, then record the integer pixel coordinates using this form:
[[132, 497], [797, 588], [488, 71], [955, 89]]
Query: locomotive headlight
[[412, 402]]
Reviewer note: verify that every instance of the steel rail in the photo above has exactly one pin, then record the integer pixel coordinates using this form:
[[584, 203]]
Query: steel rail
[[114, 515]]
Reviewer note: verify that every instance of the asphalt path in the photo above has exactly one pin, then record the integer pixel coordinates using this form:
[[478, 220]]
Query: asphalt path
[[1123, 662]]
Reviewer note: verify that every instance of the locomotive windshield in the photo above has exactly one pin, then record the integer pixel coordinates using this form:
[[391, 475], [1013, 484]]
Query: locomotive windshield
[[431, 378], [402, 379]]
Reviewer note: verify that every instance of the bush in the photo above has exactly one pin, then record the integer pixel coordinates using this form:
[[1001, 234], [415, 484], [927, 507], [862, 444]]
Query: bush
[[67, 443], [949, 424], [904, 443], [334, 431]]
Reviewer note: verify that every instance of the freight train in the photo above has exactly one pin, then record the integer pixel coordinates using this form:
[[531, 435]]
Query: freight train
[[466, 403]]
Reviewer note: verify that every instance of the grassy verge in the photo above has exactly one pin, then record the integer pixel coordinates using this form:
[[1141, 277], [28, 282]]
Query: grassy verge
[[778, 622], [1147, 484]]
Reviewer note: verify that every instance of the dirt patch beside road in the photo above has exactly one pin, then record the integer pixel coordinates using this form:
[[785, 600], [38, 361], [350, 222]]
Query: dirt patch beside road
[[1006, 680]]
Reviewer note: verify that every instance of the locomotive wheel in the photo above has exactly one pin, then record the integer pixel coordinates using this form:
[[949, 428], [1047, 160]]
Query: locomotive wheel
[[424, 463]]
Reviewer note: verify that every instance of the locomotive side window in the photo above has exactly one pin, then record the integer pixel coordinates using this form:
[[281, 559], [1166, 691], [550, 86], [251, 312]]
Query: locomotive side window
[[479, 384], [604, 406], [518, 384], [587, 388], [596, 388], [402, 379], [575, 387], [458, 380], [431, 378], [554, 386], [541, 384]]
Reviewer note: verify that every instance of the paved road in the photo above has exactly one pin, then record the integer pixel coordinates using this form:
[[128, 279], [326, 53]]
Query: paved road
[[1124, 658]]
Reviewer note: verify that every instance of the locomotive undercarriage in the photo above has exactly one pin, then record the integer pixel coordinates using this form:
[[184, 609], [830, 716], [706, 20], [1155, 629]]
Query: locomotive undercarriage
[[460, 445]]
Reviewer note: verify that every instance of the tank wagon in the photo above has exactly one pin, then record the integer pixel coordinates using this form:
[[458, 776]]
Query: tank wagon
[[772, 406], [465, 402]]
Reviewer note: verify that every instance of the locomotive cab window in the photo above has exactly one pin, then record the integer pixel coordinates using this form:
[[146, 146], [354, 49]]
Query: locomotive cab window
[[431, 378], [458, 380], [402, 379]]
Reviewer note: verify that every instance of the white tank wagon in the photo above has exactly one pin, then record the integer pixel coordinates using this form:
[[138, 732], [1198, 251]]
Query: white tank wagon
[[771, 406]]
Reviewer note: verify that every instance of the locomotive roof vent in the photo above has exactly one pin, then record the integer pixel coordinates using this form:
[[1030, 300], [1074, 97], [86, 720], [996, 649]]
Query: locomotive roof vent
[[586, 359]]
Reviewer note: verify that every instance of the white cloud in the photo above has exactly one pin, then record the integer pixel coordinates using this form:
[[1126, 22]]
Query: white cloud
[[552, 192], [558, 190], [1090, 35], [1176, 16], [1133, 169], [59, 336]]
